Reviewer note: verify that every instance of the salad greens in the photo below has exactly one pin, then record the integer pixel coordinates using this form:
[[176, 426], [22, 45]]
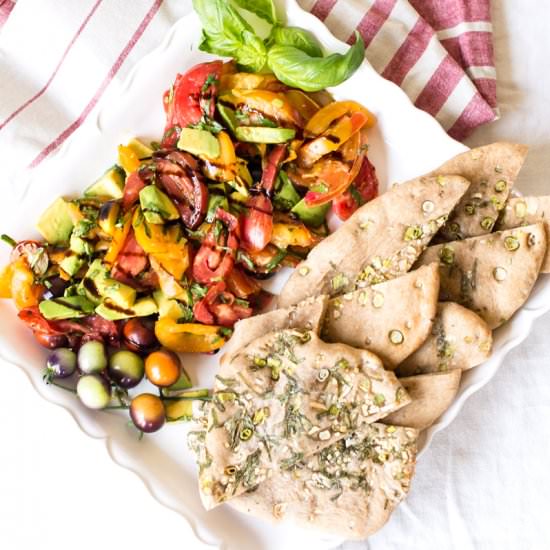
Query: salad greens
[[291, 53]]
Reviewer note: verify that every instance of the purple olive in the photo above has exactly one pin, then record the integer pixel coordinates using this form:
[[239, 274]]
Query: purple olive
[[61, 363], [139, 336], [126, 369], [147, 412]]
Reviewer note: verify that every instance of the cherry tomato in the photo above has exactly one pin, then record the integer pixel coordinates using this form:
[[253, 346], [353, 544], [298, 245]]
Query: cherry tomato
[[219, 306], [240, 284], [147, 412], [139, 337], [50, 341], [162, 368]]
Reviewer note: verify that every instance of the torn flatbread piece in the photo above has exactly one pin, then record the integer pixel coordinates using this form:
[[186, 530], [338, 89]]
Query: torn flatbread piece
[[492, 171], [460, 339], [521, 211], [288, 392], [492, 275], [349, 489], [380, 241], [391, 319], [308, 315], [431, 395]]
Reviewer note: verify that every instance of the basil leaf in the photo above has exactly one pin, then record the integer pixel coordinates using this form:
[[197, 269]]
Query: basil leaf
[[262, 8], [294, 36], [298, 69], [226, 33]]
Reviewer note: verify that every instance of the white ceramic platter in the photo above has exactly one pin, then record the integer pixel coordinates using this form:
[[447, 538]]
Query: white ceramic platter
[[405, 143]]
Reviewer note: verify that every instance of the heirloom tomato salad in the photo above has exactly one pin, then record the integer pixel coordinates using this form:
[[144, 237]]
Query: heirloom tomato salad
[[166, 251]]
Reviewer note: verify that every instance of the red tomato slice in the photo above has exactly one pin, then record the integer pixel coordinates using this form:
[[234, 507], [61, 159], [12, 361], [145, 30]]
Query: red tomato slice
[[269, 174], [219, 307], [257, 225], [134, 184], [365, 186]]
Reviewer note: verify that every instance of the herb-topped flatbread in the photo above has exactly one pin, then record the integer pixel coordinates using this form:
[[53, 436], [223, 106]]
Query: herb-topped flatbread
[[492, 171], [493, 274], [460, 339], [286, 393], [431, 396], [391, 319], [349, 489], [381, 241], [521, 211]]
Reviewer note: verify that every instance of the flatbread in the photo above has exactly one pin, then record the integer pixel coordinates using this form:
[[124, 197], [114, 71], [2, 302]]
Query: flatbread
[[288, 392], [368, 476], [492, 275], [492, 171], [391, 319], [525, 211], [308, 314], [379, 242], [460, 339], [431, 395]]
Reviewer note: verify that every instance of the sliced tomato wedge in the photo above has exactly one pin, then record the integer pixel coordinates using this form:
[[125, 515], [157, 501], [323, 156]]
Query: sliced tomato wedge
[[192, 96], [257, 224], [241, 285], [134, 184], [363, 189], [219, 307], [271, 169]]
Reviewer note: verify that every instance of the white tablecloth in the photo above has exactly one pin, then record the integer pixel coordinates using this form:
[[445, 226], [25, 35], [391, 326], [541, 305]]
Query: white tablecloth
[[483, 484]]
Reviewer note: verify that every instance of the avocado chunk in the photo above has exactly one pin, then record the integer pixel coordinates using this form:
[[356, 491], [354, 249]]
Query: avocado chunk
[[113, 312], [157, 207], [71, 264], [168, 307], [228, 116], [110, 184], [80, 246], [139, 148], [313, 216], [97, 285], [262, 134], [182, 409], [199, 142], [67, 307], [286, 196], [181, 384], [215, 201], [57, 222]]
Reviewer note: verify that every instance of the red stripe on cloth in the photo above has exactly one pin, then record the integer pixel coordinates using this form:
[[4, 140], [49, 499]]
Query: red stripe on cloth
[[58, 66], [322, 8], [5, 9], [477, 112], [488, 89], [409, 52], [440, 86], [444, 14], [374, 19], [110, 75], [471, 49]]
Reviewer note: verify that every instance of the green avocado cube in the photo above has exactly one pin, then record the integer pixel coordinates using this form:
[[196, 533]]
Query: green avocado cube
[[313, 216], [263, 134], [68, 307], [199, 142], [72, 264], [110, 184], [57, 222], [157, 207]]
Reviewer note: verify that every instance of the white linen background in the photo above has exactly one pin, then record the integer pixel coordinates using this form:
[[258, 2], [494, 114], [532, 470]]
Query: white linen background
[[482, 485]]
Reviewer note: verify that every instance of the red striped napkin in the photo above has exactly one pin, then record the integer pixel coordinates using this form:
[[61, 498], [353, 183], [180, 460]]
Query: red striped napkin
[[439, 51]]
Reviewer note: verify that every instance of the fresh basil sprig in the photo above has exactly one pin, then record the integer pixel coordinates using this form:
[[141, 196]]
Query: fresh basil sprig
[[296, 68], [291, 53], [262, 8], [226, 33], [294, 36]]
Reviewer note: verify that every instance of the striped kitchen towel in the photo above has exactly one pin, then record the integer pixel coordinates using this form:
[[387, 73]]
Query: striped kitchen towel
[[60, 58], [439, 51]]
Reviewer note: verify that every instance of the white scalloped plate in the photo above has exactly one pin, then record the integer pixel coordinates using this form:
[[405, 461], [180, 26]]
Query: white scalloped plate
[[405, 143]]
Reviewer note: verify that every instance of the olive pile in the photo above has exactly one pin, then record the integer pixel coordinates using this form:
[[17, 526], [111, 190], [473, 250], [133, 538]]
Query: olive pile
[[102, 376]]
